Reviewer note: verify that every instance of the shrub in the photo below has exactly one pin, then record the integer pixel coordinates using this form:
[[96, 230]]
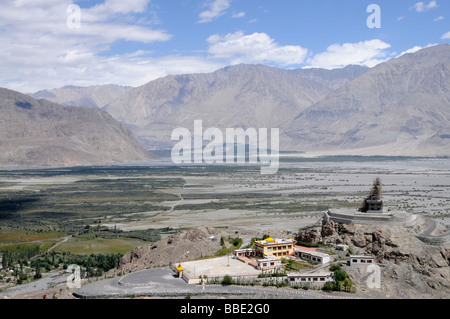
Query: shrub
[[227, 280]]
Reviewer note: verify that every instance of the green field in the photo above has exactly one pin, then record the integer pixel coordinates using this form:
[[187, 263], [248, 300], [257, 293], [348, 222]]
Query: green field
[[90, 245], [11, 238]]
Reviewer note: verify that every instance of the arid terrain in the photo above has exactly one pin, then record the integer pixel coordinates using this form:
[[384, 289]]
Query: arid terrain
[[220, 200]]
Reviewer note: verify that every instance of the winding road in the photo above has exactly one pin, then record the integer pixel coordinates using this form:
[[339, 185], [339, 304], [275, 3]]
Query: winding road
[[427, 235]]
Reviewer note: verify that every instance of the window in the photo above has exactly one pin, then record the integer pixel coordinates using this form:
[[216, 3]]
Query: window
[[322, 279], [369, 261]]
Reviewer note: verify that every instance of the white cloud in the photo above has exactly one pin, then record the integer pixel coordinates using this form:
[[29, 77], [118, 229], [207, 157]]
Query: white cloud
[[412, 50], [439, 19], [416, 48], [368, 53], [446, 36], [254, 48], [238, 15], [216, 9], [422, 7], [40, 51]]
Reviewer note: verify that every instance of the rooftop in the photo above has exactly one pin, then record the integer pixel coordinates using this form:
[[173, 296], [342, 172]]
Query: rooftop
[[366, 257], [314, 253], [272, 241], [309, 274]]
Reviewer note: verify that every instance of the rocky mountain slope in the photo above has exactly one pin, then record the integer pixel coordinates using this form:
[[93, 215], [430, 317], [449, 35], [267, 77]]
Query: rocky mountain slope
[[239, 96], [400, 107], [335, 78], [186, 245], [410, 268], [93, 96], [41, 133]]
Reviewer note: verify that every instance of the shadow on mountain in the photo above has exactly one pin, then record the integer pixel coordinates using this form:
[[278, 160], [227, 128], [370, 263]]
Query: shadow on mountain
[[24, 105]]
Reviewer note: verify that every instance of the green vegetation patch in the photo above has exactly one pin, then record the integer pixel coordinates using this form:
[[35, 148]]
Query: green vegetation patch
[[87, 245]]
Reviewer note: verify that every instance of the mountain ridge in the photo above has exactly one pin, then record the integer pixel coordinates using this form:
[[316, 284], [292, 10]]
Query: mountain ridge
[[41, 133], [401, 105], [236, 96], [93, 96]]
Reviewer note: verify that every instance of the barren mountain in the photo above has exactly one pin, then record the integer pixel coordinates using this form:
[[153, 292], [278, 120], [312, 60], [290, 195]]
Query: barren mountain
[[93, 96], [41, 133], [335, 78], [400, 107], [239, 96]]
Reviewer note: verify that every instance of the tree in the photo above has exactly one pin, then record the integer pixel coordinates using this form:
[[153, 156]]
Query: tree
[[348, 284], [339, 275], [38, 271], [5, 260]]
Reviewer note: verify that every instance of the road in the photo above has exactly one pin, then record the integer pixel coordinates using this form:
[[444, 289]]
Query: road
[[49, 280], [431, 228], [59, 243], [64, 239], [161, 282], [427, 236]]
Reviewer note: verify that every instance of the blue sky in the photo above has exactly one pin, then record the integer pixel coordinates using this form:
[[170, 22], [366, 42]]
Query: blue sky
[[50, 43]]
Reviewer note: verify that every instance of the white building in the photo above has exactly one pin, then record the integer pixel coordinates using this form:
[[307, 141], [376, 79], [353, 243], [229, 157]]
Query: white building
[[239, 253], [361, 260], [312, 256], [271, 262], [318, 279]]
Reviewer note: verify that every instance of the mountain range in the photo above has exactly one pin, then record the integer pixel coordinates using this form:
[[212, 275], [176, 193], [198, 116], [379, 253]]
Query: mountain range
[[238, 96], [41, 133], [400, 107], [93, 96]]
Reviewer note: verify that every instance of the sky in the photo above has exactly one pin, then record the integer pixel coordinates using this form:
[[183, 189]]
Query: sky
[[49, 44]]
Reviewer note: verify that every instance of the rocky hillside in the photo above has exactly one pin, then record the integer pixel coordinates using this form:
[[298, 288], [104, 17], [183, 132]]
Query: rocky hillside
[[183, 246], [238, 96], [41, 133], [335, 78], [410, 268], [400, 107], [93, 96]]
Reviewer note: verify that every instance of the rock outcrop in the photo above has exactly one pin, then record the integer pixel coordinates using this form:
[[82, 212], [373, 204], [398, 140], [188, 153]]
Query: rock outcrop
[[410, 267]]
